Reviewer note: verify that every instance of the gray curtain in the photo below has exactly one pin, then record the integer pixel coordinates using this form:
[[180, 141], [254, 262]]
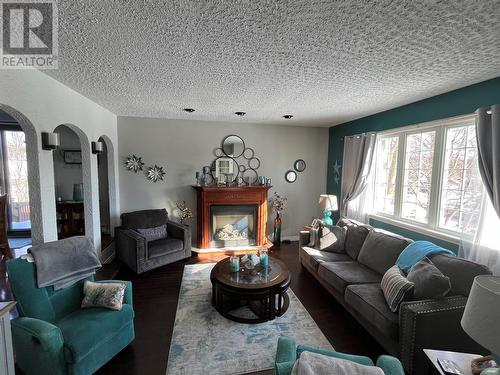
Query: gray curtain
[[356, 165], [488, 144]]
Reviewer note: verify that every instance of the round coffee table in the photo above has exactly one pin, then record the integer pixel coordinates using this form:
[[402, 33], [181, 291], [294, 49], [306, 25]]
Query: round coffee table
[[263, 291]]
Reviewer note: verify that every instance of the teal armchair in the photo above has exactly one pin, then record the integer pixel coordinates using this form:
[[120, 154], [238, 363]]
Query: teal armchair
[[54, 336], [288, 352]]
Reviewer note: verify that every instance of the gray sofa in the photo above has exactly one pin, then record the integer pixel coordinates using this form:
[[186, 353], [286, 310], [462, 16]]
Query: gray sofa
[[141, 255], [353, 278]]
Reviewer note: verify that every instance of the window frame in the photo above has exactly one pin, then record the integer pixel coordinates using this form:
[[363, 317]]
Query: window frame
[[396, 187], [432, 227]]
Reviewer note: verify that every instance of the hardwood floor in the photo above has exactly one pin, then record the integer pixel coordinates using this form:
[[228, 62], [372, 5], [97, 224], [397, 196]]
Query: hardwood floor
[[155, 296]]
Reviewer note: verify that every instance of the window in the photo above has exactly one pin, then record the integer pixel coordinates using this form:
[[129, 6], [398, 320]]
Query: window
[[386, 168], [427, 176], [419, 156], [462, 187]]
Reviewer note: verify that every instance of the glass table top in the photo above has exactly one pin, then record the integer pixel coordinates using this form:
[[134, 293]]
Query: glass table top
[[256, 276]]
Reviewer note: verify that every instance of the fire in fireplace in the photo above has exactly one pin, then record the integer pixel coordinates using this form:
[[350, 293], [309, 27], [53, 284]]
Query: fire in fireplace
[[233, 225]]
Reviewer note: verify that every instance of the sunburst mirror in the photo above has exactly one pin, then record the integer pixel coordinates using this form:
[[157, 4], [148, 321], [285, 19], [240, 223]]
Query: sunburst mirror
[[134, 163], [155, 173]]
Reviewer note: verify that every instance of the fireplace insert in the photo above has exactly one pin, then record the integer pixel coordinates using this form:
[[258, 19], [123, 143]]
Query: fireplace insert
[[233, 225]]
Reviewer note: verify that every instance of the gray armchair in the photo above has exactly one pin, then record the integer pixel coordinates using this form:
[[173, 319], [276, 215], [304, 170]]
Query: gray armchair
[[141, 255]]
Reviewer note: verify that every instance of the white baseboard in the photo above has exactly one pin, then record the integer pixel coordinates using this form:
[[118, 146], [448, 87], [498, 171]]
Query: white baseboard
[[290, 238], [108, 254]]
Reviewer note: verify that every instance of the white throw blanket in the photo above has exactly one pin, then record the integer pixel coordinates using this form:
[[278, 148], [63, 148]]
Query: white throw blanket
[[318, 364]]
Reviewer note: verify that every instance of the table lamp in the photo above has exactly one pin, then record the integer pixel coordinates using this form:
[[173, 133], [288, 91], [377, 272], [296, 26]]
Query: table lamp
[[328, 203], [481, 314]]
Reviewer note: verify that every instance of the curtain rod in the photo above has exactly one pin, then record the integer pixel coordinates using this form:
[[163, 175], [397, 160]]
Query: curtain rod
[[358, 135]]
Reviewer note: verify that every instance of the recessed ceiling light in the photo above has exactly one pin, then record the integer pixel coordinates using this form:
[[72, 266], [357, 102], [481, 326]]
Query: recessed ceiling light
[[288, 117], [240, 113], [188, 110]]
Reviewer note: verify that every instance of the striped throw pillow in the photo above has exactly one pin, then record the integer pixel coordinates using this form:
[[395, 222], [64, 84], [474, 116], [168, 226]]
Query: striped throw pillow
[[396, 288]]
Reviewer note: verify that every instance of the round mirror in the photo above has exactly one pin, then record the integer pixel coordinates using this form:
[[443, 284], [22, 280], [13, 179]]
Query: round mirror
[[233, 146], [242, 168], [224, 170], [248, 153], [299, 165], [254, 163], [290, 176], [250, 176], [218, 152]]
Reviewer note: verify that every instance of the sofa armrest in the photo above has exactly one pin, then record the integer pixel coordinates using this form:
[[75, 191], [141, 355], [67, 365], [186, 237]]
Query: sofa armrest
[[304, 236], [130, 246], [432, 324], [132, 234], [127, 297], [182, 232], [176, 229], [286, 354], [390, 365], [38, 346], [39, 332]]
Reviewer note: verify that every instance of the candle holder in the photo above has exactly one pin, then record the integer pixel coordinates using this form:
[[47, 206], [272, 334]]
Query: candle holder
[[234, 263], [264, 259]]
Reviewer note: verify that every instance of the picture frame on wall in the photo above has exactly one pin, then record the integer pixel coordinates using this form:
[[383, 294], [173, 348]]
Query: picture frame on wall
[[73, 156]]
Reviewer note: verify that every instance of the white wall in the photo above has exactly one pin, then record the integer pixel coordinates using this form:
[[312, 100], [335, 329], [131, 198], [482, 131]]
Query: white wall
[[46, 103], [184, 147]]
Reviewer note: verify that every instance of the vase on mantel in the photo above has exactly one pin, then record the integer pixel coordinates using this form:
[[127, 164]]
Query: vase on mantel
[[277, 230]]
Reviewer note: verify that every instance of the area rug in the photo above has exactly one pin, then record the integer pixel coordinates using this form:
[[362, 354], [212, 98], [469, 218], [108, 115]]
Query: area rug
[[204, 342]]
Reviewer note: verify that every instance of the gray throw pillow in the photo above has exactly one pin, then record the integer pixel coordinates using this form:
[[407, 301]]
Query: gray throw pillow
[[152, 234], [396, 288], [430, 283], [332, 238], [355, 236], [381, 250]]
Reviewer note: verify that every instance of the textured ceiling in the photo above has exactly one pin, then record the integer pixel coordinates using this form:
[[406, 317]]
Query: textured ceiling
[[325, 62]]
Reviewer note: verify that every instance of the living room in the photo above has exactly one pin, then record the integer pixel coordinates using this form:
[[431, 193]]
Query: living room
[[249, 187]]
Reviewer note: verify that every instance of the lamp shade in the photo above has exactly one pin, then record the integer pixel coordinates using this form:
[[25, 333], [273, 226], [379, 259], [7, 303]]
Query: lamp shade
[[328, 202], [482, 311]]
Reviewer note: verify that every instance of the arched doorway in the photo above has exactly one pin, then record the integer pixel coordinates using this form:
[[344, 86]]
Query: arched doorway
[[69, 182], [32, 174], [15, 220]]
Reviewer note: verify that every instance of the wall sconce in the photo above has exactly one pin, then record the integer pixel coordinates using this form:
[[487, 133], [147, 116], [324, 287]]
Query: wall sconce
[[50, 141], [97, 147]]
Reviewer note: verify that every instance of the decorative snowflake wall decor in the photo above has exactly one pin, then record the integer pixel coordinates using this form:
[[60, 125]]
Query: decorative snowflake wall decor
[[155, 173], [134, 163]]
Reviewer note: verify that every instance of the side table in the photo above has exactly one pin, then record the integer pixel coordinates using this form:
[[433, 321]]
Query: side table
[[6, 351], [461, 359]]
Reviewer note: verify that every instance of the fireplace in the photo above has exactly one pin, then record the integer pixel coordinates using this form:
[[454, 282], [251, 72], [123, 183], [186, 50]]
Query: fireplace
[[233, 225], [231, 216]]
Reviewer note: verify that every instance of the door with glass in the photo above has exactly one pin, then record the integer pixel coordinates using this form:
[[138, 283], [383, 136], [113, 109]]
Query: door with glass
[[14, 179]]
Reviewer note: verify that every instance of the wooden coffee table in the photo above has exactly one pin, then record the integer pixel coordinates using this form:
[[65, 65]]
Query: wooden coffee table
[[263, 291]]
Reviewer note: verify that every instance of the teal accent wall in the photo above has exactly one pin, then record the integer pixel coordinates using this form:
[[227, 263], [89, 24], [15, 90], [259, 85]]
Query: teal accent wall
[[413, 235], [454, 103]]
